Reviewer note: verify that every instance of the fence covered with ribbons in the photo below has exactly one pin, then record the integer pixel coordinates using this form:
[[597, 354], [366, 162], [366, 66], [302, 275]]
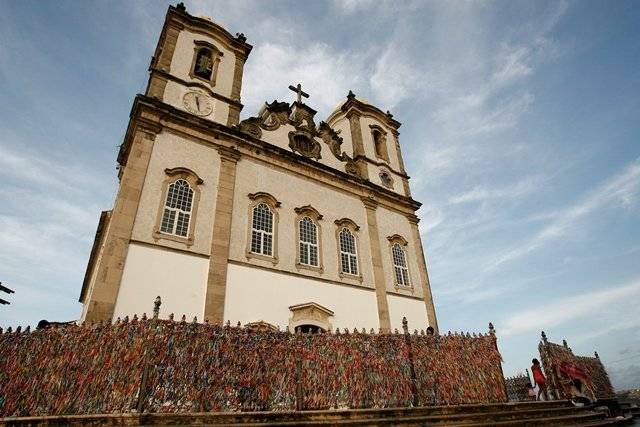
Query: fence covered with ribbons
[[166, 366], [561, 365]]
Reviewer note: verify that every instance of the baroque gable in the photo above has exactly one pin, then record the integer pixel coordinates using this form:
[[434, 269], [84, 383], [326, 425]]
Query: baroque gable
[[293, 127]]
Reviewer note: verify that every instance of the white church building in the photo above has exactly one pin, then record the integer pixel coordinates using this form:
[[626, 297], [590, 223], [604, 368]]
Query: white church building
[[279, 218]]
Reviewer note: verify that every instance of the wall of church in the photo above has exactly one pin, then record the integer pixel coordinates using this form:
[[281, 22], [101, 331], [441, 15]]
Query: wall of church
[[414, 310], [343, 128], [172, 151], [255, 294], [390, 223], [180, 280], [295, 191]]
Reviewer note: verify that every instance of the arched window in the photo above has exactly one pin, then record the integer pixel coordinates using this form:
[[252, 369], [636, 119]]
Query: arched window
[[379, 142], [203, 67], [177, 209], [262, 230], [206, 59], [348, 254], [308, 243], [400, 265]]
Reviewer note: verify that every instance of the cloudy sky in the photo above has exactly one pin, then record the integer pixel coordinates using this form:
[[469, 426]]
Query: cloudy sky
[[521, 131]]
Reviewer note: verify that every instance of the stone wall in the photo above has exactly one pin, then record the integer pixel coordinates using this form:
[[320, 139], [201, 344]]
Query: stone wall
[[166, 366]]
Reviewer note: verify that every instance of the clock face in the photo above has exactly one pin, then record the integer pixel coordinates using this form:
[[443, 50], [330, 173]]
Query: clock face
[[197, 103]]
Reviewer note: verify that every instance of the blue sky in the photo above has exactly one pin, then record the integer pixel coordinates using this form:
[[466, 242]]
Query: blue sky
[[521, 131]]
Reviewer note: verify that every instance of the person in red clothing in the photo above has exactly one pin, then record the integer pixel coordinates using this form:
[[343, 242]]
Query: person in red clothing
[[539, 379]]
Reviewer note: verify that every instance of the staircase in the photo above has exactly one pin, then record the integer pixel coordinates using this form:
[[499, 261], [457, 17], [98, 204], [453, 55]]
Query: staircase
[[554, 413]]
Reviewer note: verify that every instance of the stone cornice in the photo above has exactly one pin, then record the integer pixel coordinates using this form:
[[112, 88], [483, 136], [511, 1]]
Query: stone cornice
[[152, 110]]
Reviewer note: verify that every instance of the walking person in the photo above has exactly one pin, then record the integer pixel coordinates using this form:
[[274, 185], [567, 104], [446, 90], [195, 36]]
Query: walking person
[[539, 379]]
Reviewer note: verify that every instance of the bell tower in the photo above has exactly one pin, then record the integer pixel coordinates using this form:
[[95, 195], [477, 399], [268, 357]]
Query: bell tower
[[197, 67]]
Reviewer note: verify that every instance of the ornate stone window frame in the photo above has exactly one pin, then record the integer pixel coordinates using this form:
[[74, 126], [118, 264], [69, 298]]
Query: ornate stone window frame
[[353, 228], [315, 216], [310, 313], [216, 56], [254, 200], [384, 154], [174, 174], [397, 239]]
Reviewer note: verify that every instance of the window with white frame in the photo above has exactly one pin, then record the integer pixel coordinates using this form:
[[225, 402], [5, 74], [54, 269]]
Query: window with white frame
[[177, 209], [308, 244], [262, 230], [348, 254], [400, 265]]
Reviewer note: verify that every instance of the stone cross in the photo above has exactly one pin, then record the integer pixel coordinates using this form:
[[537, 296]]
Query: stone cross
[[298, 90]]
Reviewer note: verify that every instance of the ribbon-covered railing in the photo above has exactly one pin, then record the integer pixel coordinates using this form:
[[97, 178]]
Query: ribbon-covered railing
[[166, 366]]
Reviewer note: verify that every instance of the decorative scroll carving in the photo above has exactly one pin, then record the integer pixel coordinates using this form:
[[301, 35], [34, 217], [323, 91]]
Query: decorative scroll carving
[[332, 139], [251, 126]]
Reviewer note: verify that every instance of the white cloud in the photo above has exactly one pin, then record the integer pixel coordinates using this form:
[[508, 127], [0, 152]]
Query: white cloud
[[622, 188], [562, 310], [483, 192]]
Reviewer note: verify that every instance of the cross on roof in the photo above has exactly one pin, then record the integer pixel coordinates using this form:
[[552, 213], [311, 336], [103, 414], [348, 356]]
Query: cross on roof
[[298, 89]]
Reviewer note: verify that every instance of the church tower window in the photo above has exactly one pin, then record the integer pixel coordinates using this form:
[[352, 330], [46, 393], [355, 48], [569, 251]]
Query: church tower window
[[179, 203], [379, 137], [206, 58], [348, 254], [262, 230], [262, 240]]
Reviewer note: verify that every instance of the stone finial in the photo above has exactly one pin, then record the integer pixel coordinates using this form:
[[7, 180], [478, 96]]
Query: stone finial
[[372, 331], [395, 331], [355, 330], [595, 353], [135, 318], [9, 330], [180, 6], [241, 37], [364, 331], [126, 319], [492, 330], [351, 95], [239, 325], [183, 319], [18, 329], [389, 115], [544, 337], [156, 307], [171, 317], [405, 325], [28, 329], [144, 316], [1, 330], [195, 320], [286, 329], [118, 320]]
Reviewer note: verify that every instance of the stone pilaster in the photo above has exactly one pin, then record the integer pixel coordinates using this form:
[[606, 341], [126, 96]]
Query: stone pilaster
[[358, 144], [236, 88], [424, 275], [164, 51], [217, 277], [376, 259], [109, 272]]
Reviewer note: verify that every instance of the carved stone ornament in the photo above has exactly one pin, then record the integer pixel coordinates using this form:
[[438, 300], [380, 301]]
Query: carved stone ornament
[[331, 138], [303, 143], [351, 167], [251, 126], [301, 118], [386, 179]]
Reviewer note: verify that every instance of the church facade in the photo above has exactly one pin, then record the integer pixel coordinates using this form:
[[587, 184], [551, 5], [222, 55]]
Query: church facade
[[279, 218]]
